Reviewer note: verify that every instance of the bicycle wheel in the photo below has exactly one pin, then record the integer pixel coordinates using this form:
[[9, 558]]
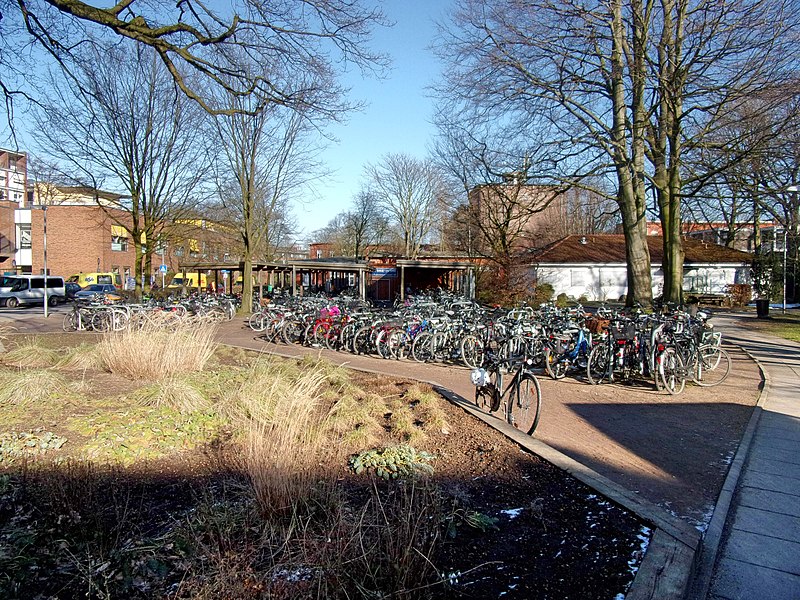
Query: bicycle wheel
[[422, 348], [382, 343], [292, 332], [257, 321], [711, 367], [332, 337], [318, 334], [362, 340], [399, 344], [554, 365], [599, 365], [70, 321], [346, 336], [101, 320], [525, 404], [472, 354], [672, 371]]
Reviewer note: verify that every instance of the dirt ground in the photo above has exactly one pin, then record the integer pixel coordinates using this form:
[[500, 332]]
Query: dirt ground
[[672, 450], [518, 527]]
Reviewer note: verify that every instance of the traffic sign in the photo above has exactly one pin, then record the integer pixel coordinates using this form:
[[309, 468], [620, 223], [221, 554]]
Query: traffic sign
[[162, 269]]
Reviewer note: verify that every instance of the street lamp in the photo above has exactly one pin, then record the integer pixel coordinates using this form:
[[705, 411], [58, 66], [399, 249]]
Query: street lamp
[[791, 188], [44, 243]]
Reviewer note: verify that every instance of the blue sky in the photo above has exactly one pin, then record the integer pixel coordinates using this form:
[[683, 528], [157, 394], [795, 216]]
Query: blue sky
[[398, 112]]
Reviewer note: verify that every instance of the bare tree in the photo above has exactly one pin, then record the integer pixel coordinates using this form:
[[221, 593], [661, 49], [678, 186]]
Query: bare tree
[[364, 224], [353, 231], [503, 206], [409, 190], [616, 90], [266, 161], [119, 121], [206, 47]]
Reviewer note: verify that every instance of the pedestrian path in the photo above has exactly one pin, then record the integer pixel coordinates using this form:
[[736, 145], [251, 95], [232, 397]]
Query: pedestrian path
[[752, 547]]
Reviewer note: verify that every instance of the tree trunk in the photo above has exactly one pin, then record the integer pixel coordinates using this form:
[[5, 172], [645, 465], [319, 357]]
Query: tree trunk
[[629, 164]]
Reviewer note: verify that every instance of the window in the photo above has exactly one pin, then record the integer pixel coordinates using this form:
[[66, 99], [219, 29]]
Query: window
[[25, 236], [119, 244], [119, 238]]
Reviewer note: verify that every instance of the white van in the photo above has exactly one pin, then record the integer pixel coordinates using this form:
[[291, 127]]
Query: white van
[[29, 289]]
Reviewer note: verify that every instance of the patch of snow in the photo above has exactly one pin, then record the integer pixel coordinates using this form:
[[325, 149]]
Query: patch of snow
[[636, 558]]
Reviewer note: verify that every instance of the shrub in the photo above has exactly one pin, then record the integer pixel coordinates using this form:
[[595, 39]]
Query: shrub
[[543, 293], [741, 293], [562, 300], [393, 463]]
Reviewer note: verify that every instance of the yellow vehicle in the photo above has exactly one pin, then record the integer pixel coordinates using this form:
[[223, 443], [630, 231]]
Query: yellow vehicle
[[190, 281], [84, 279]]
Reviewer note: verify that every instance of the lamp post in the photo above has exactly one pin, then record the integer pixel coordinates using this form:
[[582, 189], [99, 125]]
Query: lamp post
[[44, 243], [791, 188]]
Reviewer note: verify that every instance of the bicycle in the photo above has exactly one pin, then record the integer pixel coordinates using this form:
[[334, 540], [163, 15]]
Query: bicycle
[[521, 399], [567, 349]]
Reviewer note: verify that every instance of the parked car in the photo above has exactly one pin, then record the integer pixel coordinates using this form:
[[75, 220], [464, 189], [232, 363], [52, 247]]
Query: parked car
[[96, 291], [71, 288], [30, 289]]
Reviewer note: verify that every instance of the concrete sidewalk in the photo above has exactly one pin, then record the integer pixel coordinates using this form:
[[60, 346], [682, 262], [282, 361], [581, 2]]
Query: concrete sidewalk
[[752, 547]]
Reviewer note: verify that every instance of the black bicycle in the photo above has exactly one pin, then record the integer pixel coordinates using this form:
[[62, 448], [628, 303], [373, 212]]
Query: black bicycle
[[520, 400]]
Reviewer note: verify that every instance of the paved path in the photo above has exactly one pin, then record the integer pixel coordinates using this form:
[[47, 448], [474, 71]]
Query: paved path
[[752, 549]]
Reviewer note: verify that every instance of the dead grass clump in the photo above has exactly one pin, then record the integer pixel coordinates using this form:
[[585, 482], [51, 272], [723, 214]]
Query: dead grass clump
[[399, 531], [284, 421], [355, 419], [85, 357], [154, 353], [174, 392], [32, 354], [32, 386]]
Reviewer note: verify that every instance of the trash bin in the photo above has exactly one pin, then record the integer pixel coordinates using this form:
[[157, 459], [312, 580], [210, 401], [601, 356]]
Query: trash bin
[[762, 308]]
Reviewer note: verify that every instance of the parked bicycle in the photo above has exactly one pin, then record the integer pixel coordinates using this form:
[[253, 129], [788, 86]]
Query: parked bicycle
[[520, 401]]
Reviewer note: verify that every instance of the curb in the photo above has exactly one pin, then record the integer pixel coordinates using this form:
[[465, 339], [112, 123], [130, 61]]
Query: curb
[[709, 549]]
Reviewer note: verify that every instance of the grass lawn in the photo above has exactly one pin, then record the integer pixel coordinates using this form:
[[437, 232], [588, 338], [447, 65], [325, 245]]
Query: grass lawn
[[785, 326]]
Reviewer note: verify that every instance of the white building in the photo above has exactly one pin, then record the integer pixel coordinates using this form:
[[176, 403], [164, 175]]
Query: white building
[[594, 266]]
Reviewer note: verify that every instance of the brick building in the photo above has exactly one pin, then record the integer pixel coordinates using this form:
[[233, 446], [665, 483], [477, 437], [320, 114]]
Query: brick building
[[79, 238]]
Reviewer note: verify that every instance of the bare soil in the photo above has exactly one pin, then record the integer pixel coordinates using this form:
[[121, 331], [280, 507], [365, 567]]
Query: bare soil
[[517, 527], [546, 536]]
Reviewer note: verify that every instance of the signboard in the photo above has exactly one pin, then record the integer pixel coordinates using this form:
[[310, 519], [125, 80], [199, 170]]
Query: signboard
[[162, 269], [385, 273]]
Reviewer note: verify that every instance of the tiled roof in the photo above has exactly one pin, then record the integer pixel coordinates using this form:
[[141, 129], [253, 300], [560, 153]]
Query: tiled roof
[[610, 248]]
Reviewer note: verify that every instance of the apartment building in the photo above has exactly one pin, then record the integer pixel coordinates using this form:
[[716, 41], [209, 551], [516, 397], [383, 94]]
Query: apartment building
[[15, 240]]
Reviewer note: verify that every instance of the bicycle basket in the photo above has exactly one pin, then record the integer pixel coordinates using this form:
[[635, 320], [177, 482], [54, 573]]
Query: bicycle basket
[[479, 377], [597, 325], [711, 337], [623, 330]]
